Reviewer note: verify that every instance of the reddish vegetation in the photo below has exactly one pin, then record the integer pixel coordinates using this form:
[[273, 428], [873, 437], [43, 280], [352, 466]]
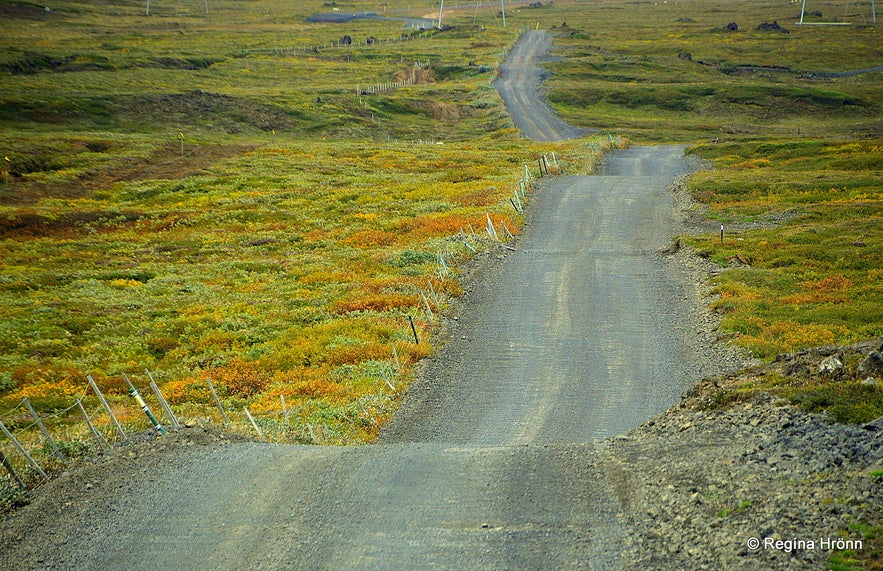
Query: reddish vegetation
[[376, 302], [165, 164]]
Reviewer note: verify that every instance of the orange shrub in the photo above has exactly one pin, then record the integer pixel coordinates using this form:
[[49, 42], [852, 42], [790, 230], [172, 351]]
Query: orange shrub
[[812, 297], [485, 197], [830, 283], [243, 378], [377, 302], [186, 390], [357, 354], [793, 336], [370, 238]]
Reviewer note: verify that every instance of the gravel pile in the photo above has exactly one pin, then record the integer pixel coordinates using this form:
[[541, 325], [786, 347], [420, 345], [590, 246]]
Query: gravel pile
[[700, 488]]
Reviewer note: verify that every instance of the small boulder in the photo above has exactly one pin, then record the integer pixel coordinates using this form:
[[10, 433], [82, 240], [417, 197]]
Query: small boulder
[[733, 26], [872, 365], [831, 366], [772, 27]]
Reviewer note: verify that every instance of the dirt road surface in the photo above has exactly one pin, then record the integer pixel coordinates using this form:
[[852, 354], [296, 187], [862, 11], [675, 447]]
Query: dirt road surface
[[490, 465], [578, 335], [519, 87]]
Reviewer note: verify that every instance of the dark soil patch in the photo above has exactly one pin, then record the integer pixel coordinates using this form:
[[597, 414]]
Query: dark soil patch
[[24, 11], [185, 108], [166, 163]]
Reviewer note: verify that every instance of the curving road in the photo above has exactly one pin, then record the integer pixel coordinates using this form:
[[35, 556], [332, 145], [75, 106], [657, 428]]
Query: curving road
[[519, 86], [490, 464]]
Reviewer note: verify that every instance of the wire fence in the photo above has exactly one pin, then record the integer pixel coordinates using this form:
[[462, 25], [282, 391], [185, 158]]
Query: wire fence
[[35, 446], [345, 42]]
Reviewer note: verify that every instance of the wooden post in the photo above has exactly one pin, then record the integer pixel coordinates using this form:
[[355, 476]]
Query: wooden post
[[395, 356], [722, 233], [414, 330], [102, 441], [22, 451], [211, 387], [253, 423], [426, 304], [434, 294], [12, 473], [106, 406], [506, 229], [163, 402], [285, 411], [165, 406], [540, 162], [491, 230], [52, 444]]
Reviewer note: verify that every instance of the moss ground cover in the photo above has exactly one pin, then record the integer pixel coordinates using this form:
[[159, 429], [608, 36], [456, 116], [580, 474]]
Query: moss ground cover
[[180, 196], [813, 279], [183, 195]]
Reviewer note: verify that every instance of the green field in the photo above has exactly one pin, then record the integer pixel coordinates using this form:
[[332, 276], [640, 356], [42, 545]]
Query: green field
[[216, 196]]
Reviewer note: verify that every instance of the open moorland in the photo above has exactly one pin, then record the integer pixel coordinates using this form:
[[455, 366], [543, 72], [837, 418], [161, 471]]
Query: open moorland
[[240, 192], [223, 194]]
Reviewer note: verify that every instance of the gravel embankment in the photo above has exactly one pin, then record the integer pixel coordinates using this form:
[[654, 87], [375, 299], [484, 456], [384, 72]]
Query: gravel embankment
[[697, 487]]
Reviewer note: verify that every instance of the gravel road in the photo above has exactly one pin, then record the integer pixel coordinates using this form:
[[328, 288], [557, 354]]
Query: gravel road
[[493, 461], [519, 86], [579, 334]]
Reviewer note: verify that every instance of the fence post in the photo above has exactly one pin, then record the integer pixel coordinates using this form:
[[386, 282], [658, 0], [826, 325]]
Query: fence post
[[426, 304], [133, 392], [99, 438], [285, 411], [395, 356], [52, 444], [107, 408], [491, 230], [253, 423], [211, 387], [12, 473], [23, 452], [162, 402], [414, 330]]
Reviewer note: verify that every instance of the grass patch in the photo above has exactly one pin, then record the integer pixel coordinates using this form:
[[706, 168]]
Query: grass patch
[[814, 279]]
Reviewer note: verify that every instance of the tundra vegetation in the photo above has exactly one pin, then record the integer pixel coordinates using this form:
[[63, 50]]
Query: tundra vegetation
[[224, 196], [216, 195]]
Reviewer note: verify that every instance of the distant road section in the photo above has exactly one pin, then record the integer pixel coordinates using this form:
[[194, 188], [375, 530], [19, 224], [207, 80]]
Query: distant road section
[[519, 87]]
